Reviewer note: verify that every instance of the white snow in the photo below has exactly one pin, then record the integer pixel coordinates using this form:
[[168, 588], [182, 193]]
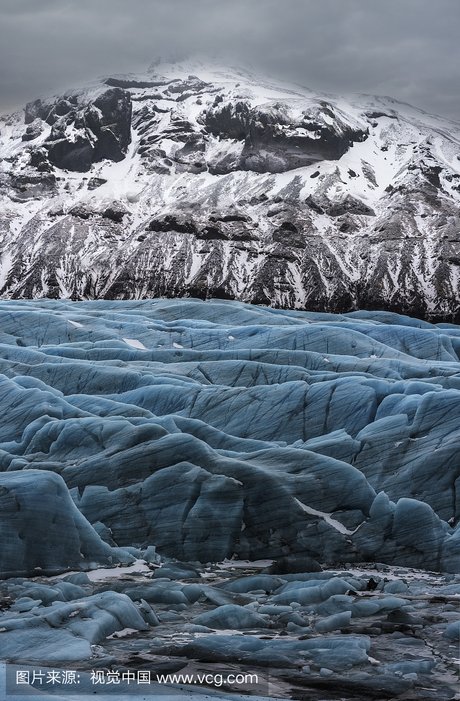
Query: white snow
[[100, 574], [326, 517], [134, 343], [125, 632], [5, 266], [245, 564]]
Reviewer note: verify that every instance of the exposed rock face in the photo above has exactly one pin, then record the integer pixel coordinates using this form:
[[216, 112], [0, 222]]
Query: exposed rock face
[[275, 141], [231, 187], [83, 131]]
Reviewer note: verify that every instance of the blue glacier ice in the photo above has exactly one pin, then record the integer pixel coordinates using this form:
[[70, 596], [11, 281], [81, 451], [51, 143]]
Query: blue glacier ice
[[64, 632], [365, 639], [232, 616], [213, 429], [43, 532], [339, 652]]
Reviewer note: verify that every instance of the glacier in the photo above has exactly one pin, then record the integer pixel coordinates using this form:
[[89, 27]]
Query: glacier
[[227, 430], [197, 487]]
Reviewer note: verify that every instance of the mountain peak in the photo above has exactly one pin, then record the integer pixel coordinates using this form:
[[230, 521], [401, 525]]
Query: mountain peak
[[199, 179]]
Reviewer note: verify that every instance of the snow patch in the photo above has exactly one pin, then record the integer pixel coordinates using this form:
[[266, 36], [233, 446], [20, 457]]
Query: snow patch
[[325, 516], [134, 343]]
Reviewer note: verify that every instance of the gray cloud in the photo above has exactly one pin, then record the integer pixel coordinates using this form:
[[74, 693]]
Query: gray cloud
[[409, 49]]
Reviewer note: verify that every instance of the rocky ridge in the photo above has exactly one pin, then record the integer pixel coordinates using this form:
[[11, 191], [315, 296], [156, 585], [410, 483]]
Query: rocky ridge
[[203, 181]]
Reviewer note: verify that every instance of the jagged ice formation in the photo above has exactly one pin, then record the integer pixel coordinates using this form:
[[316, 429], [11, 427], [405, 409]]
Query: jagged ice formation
[[213, 429]]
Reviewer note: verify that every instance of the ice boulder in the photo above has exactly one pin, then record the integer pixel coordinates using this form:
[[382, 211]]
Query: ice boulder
[[452, 631], [334, 622], [417, 527], [41, 529], [232, 617], [336, 652], [64, 632]]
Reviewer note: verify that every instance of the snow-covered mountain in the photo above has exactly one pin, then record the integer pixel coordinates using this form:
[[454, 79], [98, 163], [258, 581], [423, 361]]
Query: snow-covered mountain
[[209, 182]]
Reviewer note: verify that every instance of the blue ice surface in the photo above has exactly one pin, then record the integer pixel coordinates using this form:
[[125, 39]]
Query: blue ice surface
[[232, 616], [335, 652], [452, 631], [42, 531], [64, 632], [213, 429]]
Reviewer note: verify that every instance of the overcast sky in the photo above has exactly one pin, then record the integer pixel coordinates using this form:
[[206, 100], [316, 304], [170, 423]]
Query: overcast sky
[[409, 49]]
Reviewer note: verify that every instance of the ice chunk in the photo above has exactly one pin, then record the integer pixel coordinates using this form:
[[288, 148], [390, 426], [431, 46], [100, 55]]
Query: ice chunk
[[233, 617], [452, 631], [41, 530], [65, 631], [335, 622]]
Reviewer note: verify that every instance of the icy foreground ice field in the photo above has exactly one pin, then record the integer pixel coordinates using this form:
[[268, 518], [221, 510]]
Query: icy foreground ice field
[[202, 431]]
